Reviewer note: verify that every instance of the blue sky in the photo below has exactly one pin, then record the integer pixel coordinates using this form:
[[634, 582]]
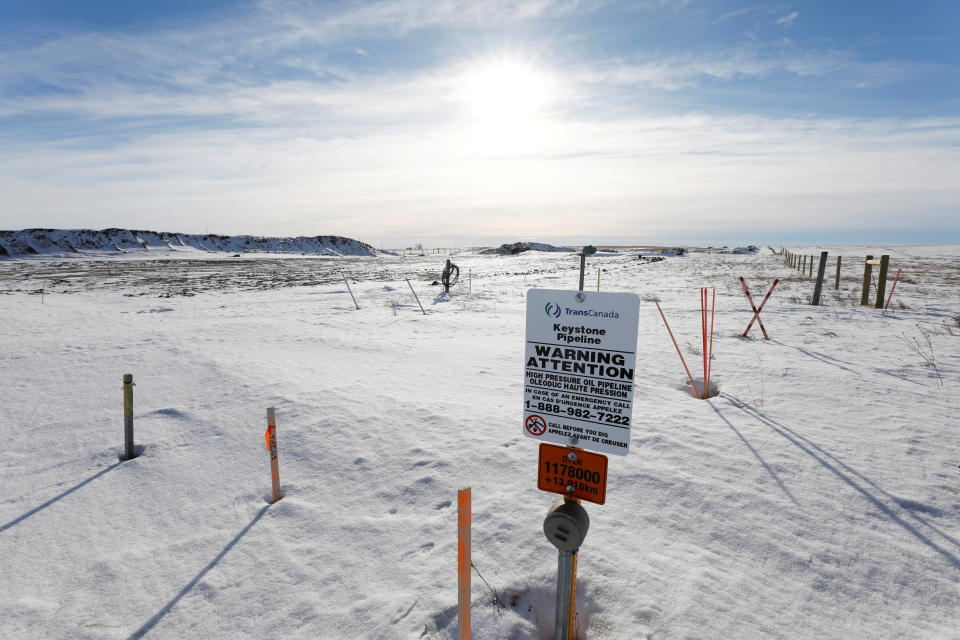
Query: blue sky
[[462, 122]]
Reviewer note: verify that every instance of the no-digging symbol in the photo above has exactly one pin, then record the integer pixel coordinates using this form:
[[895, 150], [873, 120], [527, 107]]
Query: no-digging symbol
[[535, 425]]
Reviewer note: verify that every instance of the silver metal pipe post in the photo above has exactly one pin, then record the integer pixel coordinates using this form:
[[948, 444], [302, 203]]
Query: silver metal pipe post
[[564, 589], [128, 416]]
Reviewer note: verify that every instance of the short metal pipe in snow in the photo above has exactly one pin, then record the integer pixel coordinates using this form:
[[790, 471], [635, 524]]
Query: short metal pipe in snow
[[128, 452]]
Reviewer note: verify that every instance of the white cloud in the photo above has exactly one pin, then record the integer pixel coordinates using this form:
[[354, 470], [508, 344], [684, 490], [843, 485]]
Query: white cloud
[[736, 13], [664, 175], [399, 17], [788, 19], [685, 71]]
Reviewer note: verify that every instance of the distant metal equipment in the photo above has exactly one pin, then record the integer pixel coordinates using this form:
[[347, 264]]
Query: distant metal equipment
[[451, 273]]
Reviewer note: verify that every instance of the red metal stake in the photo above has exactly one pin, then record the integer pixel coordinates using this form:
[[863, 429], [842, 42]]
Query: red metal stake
[[896, 279]]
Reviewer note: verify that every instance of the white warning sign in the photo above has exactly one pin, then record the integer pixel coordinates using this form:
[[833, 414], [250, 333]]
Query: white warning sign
[[579, 365]]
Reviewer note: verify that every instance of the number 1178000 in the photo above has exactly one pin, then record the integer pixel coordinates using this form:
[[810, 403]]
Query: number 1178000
[[572, 472]]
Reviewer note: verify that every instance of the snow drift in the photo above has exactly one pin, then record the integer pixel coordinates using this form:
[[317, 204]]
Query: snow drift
[[83, 241]]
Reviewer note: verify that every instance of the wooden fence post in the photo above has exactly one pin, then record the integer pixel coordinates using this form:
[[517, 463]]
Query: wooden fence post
[[837, 283], [810, 273], [821, 270], [865, 294], [882, 280]]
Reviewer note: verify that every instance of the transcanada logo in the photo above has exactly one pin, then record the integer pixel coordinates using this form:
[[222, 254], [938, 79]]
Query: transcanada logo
[[590, 313], [552, 309]]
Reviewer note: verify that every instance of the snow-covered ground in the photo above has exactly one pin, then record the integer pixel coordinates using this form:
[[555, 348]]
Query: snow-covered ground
[[815, 497]]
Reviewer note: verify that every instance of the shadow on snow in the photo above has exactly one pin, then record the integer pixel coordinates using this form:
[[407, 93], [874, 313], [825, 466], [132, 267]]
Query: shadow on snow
[[49, 502], [149, 624]]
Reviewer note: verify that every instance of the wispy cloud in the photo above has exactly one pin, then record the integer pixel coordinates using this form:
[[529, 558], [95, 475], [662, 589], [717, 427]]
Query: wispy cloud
[[788, 19], [688, 70], [398, 17], [729, 15]]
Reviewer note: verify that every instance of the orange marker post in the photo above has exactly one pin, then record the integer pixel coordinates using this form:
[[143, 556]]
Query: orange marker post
[[271, 437], [464, 564], [703, 332], [693, 385], [709, 351]]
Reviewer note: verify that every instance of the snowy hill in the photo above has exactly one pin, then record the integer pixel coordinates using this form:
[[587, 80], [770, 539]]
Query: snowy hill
[[520, 247], [83, 241]]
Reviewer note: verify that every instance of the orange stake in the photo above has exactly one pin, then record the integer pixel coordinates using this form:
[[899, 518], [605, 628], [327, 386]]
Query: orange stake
[[464, 564], [693, 384], [271, 438], [703, 334], [709, 356]]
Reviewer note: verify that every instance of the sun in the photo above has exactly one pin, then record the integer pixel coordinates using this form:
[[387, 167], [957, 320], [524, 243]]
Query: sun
[[504, 91], [505, 102]]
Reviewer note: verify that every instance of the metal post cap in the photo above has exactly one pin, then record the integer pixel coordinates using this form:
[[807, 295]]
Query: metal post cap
[[566, 525]]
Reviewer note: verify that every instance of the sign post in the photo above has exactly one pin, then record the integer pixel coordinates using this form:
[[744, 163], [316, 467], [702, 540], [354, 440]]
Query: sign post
[[578, 391], [588, 250]]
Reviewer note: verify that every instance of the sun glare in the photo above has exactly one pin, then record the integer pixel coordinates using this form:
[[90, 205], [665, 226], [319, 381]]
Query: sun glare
[[505, 101]]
